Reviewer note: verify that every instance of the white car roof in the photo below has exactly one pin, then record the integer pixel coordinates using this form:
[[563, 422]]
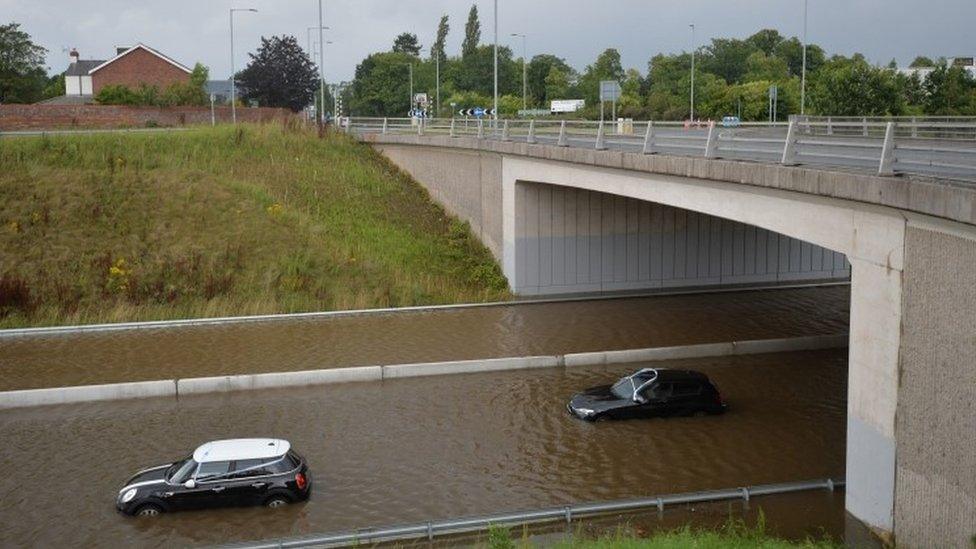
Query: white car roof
[[241, 448]]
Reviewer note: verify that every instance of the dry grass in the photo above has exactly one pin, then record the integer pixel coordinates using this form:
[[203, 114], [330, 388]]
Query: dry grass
[[221, 222]]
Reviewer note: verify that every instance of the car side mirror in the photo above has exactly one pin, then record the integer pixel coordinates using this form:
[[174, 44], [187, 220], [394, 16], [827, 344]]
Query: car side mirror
[[190, 484]]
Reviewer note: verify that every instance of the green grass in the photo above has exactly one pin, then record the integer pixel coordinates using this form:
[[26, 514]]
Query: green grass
[[734, 534], [221, 221]]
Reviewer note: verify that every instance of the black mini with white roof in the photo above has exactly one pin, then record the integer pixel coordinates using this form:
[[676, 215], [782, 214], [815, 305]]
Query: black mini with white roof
[[222, 473]]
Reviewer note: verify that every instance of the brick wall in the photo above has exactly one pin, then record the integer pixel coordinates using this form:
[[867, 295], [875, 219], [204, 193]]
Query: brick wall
[[51, 117], [136, 68]]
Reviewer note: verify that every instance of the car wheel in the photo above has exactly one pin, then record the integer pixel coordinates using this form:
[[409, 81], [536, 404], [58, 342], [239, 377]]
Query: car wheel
[[148, 510], [276, 501]]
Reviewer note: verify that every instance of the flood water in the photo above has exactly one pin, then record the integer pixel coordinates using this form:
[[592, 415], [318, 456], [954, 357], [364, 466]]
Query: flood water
[[405, 337], [418, 449]]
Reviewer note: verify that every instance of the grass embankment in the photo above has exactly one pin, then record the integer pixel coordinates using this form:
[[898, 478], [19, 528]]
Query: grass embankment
[[221, 222]]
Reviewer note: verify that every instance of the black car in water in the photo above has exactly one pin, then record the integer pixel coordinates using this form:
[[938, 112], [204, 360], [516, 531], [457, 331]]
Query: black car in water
[[222, 473], [649, 393]]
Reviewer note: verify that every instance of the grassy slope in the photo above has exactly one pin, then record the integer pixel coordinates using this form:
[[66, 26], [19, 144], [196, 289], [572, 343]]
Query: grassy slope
[[224, 221]]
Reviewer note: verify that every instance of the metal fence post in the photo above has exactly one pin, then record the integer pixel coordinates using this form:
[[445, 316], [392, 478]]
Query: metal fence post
[[789, 148], [887, 165], [830, 126], [711, 145], [531, 136], [562, 135], [864, 124], [453, 132], [481, 129], [914, 127], [385, 126], [649, 138], [420, 126], [601, 144], [505, 135]]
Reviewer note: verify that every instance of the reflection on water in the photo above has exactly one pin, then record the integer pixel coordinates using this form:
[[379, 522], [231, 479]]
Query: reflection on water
[[454, 334], [426, 448]]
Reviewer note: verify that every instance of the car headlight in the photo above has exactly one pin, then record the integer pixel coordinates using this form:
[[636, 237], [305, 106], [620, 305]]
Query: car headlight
[[585, 412], [127, 497]]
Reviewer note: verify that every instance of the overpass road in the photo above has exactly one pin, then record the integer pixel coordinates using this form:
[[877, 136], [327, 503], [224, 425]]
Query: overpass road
[[428, 448]]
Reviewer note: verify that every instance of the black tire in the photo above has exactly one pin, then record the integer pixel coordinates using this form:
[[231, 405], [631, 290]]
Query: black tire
[[148, 510], [276, 501]]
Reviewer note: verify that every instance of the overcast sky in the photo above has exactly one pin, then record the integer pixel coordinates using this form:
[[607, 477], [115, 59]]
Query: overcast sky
[[198, 30]]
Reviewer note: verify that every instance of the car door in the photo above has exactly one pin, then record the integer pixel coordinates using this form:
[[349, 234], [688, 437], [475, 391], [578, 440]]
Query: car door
[[248, 483], [655, 401], [213, 480], [684, 398]]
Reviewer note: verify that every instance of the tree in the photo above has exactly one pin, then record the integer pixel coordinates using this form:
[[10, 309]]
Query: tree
[[280, 74], [760, 66], [949, 91], [538, 71], [922, 62], [381, 86], [476, 73], [437, 50], [606, 67], [193, 92], [765, 40], [791, 51], [407, 43], [472, 33], [727, 58], [852, 87], [22, 74]]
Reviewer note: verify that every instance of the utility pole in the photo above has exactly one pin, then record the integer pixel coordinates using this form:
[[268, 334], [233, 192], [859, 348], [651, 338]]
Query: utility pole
[[803, 80], [438, 78], [321, 115], [233, 72], [525, 62], [693, 47]]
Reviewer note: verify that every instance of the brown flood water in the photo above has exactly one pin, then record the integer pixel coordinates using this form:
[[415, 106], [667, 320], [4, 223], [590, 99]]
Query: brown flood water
[[427, 448], [452, 334]]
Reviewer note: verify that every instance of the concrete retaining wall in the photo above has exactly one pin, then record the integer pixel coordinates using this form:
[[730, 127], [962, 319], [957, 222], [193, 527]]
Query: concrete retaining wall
[[196, 386]]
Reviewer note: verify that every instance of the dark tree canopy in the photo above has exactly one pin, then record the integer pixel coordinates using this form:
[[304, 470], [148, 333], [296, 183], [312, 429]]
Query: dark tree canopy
[[280, 74], [539, 71], [407, 43], [765, 40], [472, 33], [22, 74], [922, 61], [437, 50]]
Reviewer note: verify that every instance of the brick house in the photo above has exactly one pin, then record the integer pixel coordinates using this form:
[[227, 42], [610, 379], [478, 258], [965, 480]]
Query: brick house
[[136, 66]]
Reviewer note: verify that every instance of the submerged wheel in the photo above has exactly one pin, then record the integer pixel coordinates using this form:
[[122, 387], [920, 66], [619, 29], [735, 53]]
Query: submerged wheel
[[276, 501], [148, 510]]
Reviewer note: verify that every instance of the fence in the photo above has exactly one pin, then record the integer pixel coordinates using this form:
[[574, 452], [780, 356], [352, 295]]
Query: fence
[[428, 530], [940, 147]]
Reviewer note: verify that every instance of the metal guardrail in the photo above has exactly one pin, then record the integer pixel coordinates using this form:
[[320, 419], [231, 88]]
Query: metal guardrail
[[430, 529], [939, 147]]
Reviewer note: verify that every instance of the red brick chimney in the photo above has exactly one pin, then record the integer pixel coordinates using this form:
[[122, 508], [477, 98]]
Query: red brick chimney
[[73, 55]]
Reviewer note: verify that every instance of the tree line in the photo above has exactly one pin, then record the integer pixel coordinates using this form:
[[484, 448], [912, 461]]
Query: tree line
[[732, 78]]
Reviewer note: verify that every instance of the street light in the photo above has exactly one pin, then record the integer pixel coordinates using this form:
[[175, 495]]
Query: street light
[[693, 46], [525, 62], [495, 106], [233, 75], [803, 80], [308, 33], [321, 70]]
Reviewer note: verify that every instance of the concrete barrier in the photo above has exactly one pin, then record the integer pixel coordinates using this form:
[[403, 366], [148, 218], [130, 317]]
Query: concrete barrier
[[470, 366], [249, 382], [223, 384], [87, 393]]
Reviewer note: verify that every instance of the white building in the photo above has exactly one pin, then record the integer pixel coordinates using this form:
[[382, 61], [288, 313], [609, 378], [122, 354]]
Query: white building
[[968, 63], [77, 81]]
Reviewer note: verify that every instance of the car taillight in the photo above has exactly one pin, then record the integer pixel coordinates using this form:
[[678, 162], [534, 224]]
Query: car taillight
[[301, 481], [718, 398]]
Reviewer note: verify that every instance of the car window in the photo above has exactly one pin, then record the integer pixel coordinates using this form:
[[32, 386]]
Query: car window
[[212, 469], [281, 465], [657, 391], [245, 468], [686, 389]]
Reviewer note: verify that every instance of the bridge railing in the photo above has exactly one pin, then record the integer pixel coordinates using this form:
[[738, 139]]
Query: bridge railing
[[941, 147]]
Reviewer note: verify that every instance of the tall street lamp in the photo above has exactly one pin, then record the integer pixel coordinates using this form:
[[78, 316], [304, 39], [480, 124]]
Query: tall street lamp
[[321, 69], [308, 33], [525, 63], [495, 106], [803, 79], [693, 47], [233, 75], [437, 77]]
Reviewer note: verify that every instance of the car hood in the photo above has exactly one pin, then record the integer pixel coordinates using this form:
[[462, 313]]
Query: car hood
[[152, 475], [598, 399]]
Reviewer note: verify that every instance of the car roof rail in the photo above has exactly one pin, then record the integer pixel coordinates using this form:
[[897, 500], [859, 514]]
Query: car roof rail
[[637, 389]]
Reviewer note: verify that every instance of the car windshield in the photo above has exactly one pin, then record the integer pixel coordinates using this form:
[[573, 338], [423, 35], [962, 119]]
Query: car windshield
[[181, 470], [623, 389]]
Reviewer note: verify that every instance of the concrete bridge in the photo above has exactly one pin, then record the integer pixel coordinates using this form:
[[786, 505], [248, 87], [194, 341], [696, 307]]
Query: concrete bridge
[[563, 219]]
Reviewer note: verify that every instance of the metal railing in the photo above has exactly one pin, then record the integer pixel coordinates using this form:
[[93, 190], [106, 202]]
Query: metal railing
[[940, 147], [430, 529]]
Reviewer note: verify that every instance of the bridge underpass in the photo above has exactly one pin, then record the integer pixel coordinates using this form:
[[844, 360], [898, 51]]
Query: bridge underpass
[[911, 245]]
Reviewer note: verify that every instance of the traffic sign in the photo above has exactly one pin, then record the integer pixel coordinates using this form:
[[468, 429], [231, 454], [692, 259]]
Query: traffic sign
[[609, 90], [477, 112]]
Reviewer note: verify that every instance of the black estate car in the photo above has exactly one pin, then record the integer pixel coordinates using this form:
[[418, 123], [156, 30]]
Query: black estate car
[[649, 393], [252, 471]]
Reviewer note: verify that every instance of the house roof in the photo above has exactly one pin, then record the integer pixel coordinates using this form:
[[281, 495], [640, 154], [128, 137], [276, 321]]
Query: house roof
[[81, 67], [145, 48], [69, 100]]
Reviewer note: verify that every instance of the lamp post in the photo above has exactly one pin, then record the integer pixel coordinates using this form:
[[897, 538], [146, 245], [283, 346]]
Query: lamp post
[[693, 47], [233, 75], [437, 77], [495, 106], [803, 79], [314, 53], [308, 34], [321, 70], [525, 62]]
